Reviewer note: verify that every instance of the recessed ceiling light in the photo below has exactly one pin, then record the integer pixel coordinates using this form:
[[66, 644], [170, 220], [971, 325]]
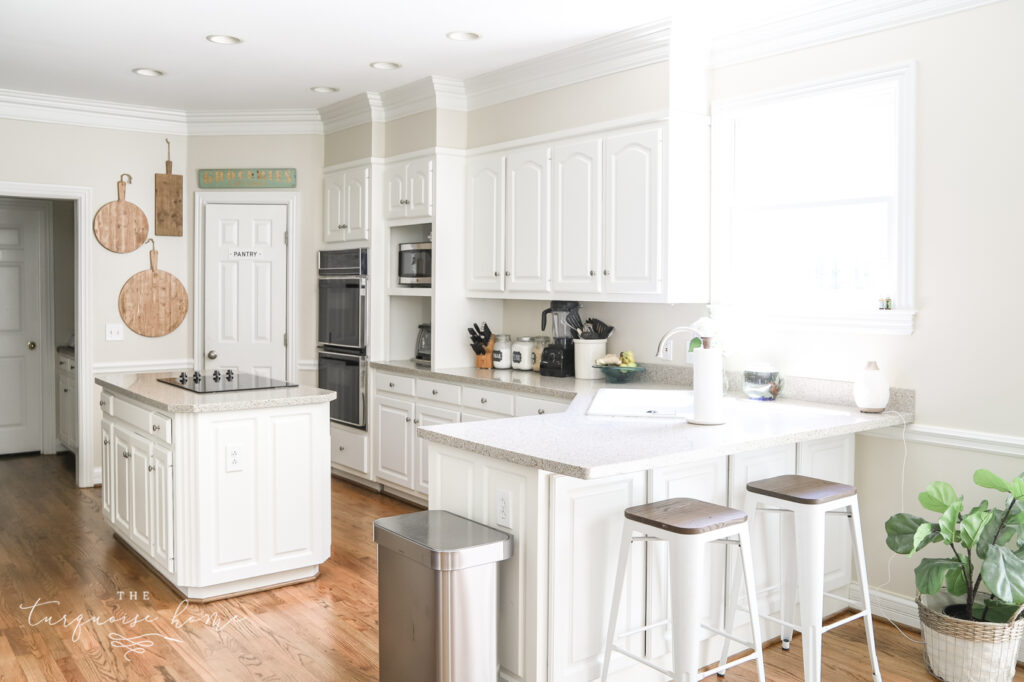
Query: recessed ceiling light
[[463, 35], [385, 66], [223, 40], [323, 88], [147, 72]]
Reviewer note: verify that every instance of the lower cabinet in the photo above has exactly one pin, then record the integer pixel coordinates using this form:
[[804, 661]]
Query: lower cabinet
[[349, 451], [428, 415], [393, 435]]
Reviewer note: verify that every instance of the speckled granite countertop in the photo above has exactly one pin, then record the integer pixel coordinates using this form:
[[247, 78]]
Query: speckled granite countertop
[[565, 388], [145, 388]]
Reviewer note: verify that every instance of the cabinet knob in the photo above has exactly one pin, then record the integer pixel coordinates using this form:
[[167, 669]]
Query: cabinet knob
[[341, 448], [606, 273], [150, 468], [103, 403], [508, 274], [65, 390], [391, 384], [156, 427], [61, 363], [404, 202], [125, 454], [212, 355], [433, 391], [408, 419], [344, 226], [592, 273], [540, 410], [31, 345], [106, 441], [483, 401], [495, 273], [415, 421]]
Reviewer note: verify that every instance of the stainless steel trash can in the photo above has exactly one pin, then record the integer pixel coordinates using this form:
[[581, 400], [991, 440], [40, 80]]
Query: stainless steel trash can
[[437, 582]]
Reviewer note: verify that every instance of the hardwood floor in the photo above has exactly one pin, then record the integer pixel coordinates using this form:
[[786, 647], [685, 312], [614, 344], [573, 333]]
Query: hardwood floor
[[55, 547]]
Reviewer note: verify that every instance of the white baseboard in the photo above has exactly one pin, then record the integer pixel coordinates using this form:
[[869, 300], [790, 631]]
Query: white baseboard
[[963, 439], [97, 475]]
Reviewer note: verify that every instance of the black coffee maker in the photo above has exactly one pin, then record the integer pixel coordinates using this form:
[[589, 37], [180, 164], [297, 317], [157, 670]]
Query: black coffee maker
[[558, 359]]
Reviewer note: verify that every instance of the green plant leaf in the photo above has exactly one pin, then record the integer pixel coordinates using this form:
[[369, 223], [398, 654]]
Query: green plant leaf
[[1017, 487], [931, 573], [994, 611], [986, 479], [900, 531], [956, 583], [923, 536], [948, 521], [1003, 573], [972, 525], [938, 496]]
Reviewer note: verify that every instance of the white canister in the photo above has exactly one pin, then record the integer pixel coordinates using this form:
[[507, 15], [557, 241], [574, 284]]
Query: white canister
[[871, 389], [586, 352], [502, 353], [522, 353]]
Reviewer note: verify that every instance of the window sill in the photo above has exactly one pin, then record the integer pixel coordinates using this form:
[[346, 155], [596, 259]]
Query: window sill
[[890, 322]]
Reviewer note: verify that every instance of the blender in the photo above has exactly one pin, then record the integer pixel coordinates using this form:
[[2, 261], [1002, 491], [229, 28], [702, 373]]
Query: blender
[[558, 359]]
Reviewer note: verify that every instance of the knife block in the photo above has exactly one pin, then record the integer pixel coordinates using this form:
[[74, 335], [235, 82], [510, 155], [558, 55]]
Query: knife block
[[486, 361]]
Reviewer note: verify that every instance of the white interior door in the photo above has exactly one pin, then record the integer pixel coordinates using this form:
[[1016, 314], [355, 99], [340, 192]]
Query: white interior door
[[245, 294], [21, 351]]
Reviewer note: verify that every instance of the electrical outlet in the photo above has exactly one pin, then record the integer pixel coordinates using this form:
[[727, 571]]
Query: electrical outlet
[[233, 458], [504, 509], [666, 350], [115, 331]]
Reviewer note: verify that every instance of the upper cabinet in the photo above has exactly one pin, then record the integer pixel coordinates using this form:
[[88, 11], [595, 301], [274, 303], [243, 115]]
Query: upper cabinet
[[346, 204], [584, 218], [409, 189]]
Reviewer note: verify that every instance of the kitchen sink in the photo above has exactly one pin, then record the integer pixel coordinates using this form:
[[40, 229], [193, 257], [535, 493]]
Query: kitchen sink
[[641, 402]]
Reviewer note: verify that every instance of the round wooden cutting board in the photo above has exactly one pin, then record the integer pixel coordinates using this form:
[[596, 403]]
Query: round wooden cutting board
[[153, 302], [120, 226]]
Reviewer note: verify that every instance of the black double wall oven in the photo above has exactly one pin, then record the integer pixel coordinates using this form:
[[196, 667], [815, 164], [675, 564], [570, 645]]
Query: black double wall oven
[[341, 332]]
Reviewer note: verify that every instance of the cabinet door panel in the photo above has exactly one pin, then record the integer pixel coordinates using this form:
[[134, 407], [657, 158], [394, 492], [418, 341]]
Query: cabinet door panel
[[333, 197], [108, 465], [526, 221], [394, 191], [428, 415], [576, 216], [393, 436], [485, 223], [765, 533], [162, 501], [138, 464], [121, 442], [832, 460], [354, 210], [633, 214], [349, 449], [587, 519], [419, 188]]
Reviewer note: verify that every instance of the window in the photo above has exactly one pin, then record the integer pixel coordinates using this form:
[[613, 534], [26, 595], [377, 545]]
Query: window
[[812, 192]]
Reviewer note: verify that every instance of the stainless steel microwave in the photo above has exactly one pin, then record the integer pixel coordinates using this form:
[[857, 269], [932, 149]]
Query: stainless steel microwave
[[415, 264]]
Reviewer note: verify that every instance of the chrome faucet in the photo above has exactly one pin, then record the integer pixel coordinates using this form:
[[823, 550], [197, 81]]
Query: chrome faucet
[[669, 334]]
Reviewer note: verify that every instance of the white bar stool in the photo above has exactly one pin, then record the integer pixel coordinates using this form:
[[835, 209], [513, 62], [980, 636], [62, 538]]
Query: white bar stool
[[687, 525], [803, 538]]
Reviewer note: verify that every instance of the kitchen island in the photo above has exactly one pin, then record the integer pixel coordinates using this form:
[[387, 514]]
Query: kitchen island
[[220, 494], [560, 483]]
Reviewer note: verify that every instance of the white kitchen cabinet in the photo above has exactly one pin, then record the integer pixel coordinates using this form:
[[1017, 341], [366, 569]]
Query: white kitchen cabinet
[[346, 204], [485, 223], [161, 493], [393, 437], [527, 237], [122, 480], [428, 415], [832, 459], [586, 530], [67, 402], [107, 464], [634, 218], [576, 216], [141, 505], [350, 451], [527, 406], [408, 189]]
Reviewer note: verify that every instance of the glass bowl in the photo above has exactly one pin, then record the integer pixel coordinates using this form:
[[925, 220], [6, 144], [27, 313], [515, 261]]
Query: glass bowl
[[615, 374], [762, 384]]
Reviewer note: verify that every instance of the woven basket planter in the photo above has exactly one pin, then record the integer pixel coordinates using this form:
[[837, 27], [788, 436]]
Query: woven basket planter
[[958, 650]]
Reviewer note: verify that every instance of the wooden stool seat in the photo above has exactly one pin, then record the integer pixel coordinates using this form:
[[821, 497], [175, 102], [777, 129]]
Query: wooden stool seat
[[686, 515], [801, 489]]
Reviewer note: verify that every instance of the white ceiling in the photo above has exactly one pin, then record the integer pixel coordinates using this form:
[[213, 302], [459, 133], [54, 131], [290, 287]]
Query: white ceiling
[[84, 49]]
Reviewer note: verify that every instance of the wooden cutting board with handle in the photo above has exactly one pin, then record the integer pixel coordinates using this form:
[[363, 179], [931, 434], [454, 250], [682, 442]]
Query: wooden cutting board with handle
[[168, 201], [120, 226], [153, 302]]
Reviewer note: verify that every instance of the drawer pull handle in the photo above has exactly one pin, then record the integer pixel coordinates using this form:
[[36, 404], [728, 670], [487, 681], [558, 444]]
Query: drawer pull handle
[[391, 384], [156, 427], [483, 401], [344, 226], [341, 448], [150, 468], [433, 391], [540, 410]]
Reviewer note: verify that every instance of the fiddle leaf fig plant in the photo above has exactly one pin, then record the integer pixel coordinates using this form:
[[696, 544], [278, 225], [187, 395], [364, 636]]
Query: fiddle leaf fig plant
[[987, 545]]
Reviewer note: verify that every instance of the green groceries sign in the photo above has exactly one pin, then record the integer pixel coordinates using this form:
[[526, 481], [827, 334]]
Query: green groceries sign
[[246, 178]]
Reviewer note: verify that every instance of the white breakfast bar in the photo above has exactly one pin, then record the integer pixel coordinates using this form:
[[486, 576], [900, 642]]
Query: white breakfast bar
[[219, 493], [560, 483]]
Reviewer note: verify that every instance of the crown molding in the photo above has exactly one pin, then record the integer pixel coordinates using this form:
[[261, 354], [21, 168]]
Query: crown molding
[[366, 107], [41, 108], [425, 94], [268, 122], [636, 47], [827, 24]]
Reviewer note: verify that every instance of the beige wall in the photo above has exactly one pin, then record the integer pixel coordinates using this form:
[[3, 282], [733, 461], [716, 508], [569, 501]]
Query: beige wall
[[411, 133], [347, 145], [622, 95], [963, 356], [63, 271]]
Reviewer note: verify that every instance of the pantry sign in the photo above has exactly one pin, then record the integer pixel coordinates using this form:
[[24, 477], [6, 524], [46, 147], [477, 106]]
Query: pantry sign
[[246, 178]]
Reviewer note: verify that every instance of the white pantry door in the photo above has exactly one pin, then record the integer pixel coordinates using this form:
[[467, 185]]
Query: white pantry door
[[21, 353], [245, 295]]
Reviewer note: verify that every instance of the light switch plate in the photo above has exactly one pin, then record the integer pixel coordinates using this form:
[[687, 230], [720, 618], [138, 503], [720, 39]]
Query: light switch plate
[[115, 331], [233, 458]]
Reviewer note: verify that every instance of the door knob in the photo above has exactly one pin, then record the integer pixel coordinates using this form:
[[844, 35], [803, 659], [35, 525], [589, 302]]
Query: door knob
[[212, 355], [31, 345]]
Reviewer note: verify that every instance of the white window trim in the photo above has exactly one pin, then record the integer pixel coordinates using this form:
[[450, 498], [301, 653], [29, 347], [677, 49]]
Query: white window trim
[[897, 321]]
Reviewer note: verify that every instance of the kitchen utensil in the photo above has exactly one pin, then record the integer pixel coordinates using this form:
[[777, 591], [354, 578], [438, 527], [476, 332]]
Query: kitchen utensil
[[476, 328], [614, 374], [120, 226], [601, 330], [153, 302], [473, 336], [167, 200], [586, 352], [486, 360], [487, 333]]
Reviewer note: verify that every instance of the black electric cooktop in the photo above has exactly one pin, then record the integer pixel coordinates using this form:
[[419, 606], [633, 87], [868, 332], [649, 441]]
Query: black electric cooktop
[[222, 383]]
